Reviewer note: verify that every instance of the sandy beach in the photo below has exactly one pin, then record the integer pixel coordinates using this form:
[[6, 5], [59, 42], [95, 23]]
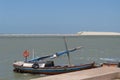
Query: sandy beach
[[84, 33], [98, 33]]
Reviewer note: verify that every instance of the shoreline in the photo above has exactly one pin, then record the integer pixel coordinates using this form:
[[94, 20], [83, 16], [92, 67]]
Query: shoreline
[[100, 33], [60, 35]]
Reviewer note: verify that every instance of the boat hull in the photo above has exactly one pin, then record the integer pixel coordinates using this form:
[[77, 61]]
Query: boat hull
[[52, 70]]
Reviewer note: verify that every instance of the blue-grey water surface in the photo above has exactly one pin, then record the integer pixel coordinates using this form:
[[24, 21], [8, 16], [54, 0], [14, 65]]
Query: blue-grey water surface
[[95, 48]]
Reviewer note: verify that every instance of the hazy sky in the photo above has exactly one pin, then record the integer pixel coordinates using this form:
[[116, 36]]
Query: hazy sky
[[59, 16]]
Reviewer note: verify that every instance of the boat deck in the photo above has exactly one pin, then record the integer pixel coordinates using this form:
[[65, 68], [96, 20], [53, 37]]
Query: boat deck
[[101, 73]]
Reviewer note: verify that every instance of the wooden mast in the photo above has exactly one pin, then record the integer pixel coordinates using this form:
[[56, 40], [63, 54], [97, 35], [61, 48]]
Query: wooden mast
[[65, 41]]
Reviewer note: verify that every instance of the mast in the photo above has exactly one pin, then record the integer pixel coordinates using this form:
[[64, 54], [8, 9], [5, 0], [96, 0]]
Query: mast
[[65, 41], [33, 54]]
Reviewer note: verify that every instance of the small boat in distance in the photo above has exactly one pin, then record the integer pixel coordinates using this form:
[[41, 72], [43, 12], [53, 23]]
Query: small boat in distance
[[40, 66]]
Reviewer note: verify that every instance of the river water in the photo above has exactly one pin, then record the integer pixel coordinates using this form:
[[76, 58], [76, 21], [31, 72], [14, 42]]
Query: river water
[[95, 48]]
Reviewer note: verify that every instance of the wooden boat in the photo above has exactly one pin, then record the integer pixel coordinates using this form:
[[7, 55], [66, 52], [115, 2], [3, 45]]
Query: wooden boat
[[53, 69], [40, 66], [110, 62]]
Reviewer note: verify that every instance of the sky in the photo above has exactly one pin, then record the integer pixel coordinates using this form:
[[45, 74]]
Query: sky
[[59, 16]]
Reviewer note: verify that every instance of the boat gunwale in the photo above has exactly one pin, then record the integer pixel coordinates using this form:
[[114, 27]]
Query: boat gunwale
[[56, 67]]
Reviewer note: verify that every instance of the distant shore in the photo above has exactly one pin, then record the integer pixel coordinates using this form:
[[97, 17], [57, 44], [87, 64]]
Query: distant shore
[[77, 34], [99, 33]]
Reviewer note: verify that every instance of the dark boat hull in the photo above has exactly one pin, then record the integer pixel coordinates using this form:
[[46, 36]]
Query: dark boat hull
[[52, 70]]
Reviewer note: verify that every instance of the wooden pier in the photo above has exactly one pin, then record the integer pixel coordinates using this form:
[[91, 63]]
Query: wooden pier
[[102, 73]]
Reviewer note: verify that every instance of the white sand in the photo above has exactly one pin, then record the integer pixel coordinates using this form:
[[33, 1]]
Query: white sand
[[98, 33]]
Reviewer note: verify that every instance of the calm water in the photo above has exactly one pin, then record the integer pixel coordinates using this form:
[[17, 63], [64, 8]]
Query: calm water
[[95, 48]]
